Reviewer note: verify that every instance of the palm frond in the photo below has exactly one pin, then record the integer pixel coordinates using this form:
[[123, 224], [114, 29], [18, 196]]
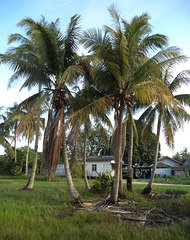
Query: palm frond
[[4, 143], [70, 74], [183, 78], [94, 41], [163, 58], [71, 41], [183, 99], [149, 123], [18, 38], [114, 12], [101, 105]]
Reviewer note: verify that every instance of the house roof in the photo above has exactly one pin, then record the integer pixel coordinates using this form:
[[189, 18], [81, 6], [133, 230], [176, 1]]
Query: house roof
[[166, 157], [100, 159], [163, 163]]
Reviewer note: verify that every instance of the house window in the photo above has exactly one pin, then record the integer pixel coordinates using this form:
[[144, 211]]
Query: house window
[[94, 167]]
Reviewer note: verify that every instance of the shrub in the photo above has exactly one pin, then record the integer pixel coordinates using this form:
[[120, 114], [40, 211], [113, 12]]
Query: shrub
[[77, 170], [15, 170], [103, 183], [8, 167]]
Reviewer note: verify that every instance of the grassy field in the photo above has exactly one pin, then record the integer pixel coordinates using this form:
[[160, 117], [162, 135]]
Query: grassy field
[[46, 213]]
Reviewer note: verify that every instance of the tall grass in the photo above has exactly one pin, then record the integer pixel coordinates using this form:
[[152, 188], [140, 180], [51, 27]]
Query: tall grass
[[46, 213]]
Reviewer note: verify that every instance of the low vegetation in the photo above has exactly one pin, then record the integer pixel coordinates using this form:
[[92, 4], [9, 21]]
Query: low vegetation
[[47, 213]]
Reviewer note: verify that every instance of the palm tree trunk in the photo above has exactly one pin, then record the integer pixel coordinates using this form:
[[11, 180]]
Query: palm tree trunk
[[121, 191], [148, 188], [75, 196], [30, 184], [117, 155], [130, 156], [15, 152], [15, 144], [84, 163], [44, 168], [27, 154], [121, 186]]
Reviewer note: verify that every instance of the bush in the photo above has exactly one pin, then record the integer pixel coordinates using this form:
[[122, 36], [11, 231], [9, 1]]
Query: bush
[[8, 167], [77, 170], [103, 183], [15, 170]]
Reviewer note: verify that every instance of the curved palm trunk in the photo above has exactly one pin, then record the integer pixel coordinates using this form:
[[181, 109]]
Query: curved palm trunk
[[130, 156], [75, 196], [148, 188], [121, 186], [84, 163], [30, 184], [27, 154], [117, 155]]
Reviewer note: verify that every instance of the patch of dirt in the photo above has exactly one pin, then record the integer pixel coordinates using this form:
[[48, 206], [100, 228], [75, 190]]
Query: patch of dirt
[[151, 217], [167, 195]]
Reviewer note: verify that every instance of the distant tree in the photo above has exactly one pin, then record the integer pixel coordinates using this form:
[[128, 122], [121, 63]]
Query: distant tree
[[143, 152], [5, 136], [21, 154], [181, 155], [96, 145], [184, 153], [25, 116], [177, 157], [12, 126]]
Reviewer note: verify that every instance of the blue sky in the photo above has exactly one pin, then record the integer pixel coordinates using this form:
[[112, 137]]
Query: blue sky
[[169, 17]]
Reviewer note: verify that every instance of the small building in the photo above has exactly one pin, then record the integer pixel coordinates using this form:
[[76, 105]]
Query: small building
[[100, 164], [186, 162], [94, 164], [166, 166], [60, 171]]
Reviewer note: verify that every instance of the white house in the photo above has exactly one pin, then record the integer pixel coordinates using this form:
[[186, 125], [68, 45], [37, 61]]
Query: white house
[[60, 171], [100, 164], [94, 164], [166, 166]]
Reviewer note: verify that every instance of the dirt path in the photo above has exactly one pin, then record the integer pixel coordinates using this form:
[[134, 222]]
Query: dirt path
[[162, 184]]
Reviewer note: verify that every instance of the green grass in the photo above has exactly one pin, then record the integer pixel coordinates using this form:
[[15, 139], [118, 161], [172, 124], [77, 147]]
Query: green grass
[[46, 213]]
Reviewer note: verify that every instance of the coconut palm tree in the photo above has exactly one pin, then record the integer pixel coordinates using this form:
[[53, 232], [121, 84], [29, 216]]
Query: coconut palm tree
[[122, 69], [5, 134], [12, 126], [25, 61], [171, 117], [26, 114], [48, 58]]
